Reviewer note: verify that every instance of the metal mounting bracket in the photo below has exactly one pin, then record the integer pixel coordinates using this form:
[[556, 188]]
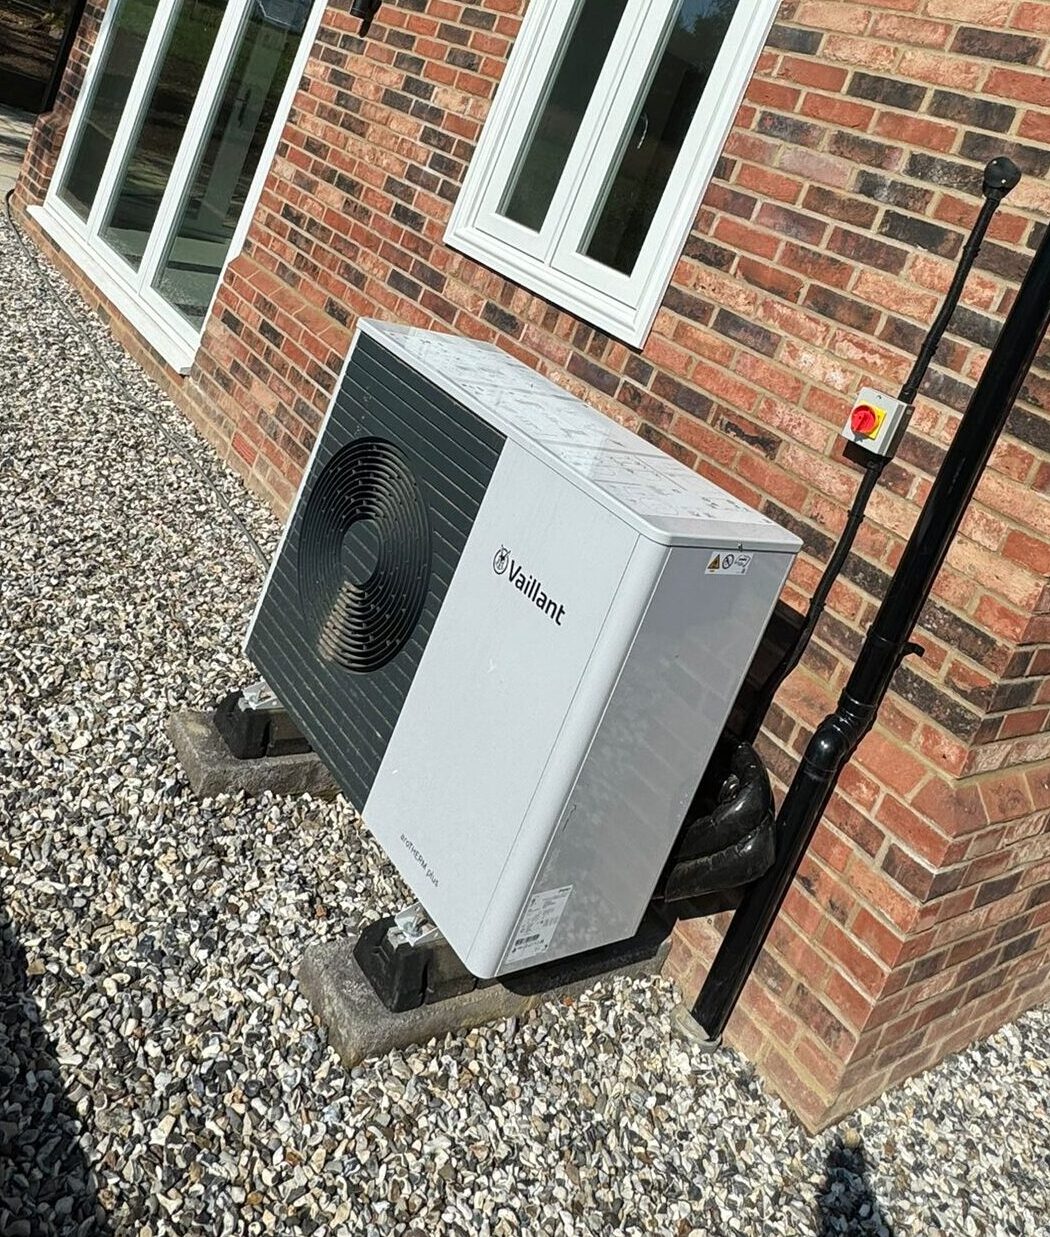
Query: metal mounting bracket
[[413, 927], [259, 695]]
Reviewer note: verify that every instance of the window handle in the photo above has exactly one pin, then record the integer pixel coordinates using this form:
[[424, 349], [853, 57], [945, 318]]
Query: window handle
[[644, 118]]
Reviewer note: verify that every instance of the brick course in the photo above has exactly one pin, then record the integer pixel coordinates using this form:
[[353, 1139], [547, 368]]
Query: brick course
[[819, 255]]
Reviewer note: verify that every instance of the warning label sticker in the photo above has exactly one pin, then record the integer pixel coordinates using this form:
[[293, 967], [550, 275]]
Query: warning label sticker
[[726, 563], [538, 924]]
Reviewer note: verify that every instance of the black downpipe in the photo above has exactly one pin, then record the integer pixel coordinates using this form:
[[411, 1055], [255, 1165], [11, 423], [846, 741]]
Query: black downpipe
[[1000, 176], [58, 67], [887, 642]]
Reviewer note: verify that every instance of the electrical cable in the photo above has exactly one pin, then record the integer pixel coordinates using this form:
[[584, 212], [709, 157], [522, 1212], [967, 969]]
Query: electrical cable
[[793, 654], [133, 404], [1000, 176]]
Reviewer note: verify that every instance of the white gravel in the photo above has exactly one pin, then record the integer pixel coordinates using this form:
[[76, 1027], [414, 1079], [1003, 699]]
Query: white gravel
[[159, 1070]]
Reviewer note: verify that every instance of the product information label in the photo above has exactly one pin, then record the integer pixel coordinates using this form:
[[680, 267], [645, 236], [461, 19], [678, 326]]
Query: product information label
[[538, 924], [729, 563]]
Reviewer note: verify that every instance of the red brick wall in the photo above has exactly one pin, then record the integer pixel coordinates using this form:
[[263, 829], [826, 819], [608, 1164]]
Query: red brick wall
[[920, 918]]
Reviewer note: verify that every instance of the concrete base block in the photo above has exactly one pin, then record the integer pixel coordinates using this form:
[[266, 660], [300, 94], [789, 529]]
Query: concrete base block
[[359, 1025], [213, 770]]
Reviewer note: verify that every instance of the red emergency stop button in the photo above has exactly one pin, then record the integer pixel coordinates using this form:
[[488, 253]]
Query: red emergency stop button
[[865, 420]]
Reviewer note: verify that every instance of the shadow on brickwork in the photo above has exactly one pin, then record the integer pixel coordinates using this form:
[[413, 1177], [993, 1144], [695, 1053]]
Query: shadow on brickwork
[[46, 1185], [846, 1202]]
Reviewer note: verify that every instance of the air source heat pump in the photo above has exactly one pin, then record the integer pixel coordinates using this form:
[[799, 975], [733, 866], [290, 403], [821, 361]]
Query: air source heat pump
[[513, 630]]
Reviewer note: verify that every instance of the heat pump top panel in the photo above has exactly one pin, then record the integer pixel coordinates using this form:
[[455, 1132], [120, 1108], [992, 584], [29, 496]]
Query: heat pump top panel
[[660, 497]]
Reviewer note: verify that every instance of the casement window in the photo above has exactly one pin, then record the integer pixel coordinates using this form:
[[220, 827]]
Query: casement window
[[172, 135], [600, 144]]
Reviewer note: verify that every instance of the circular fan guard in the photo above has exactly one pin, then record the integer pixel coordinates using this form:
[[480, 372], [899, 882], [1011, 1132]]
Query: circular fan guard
[[361, 623]]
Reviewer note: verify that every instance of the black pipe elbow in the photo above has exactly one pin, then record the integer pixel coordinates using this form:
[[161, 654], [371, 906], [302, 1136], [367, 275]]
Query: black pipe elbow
[[740, 864], [832, 742], [733, 843], [745, 800]]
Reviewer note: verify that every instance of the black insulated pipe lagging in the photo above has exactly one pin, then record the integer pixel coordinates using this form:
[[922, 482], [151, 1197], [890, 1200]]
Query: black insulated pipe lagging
[[1000, 176], [366, 10], [887, 642]]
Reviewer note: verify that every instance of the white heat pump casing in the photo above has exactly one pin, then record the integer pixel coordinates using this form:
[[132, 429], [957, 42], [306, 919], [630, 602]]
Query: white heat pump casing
[[544, 757]]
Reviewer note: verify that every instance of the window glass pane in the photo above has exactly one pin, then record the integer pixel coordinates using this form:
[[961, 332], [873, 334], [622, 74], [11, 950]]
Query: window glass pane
[[94, 138], [220, 183], [660, 126], [149, 162], [558, 119]]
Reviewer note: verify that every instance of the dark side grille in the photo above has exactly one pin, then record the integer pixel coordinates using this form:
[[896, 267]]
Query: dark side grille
[[372, 546]]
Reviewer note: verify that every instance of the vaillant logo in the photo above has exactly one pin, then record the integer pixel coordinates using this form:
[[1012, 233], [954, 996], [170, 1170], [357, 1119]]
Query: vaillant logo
[[529, 586]]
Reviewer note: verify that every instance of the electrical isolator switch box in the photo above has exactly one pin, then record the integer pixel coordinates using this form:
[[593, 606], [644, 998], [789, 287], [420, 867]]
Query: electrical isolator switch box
[[876, 421]]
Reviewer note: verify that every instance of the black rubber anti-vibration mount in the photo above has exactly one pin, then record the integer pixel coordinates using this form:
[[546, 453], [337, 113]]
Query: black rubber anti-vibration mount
[[406, 976], [254, 734]]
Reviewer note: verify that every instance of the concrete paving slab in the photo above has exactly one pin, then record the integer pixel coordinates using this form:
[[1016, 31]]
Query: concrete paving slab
[[360, 1026], [213, 770], [15, 130]]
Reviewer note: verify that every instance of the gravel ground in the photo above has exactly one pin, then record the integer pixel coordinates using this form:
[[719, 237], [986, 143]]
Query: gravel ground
[[159, 1070]]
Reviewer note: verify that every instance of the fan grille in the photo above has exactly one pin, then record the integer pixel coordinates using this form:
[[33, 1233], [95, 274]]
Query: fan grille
[[364, 555]]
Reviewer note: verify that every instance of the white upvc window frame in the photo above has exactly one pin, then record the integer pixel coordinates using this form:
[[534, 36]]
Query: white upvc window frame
[[131, 291], [551, 262]]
